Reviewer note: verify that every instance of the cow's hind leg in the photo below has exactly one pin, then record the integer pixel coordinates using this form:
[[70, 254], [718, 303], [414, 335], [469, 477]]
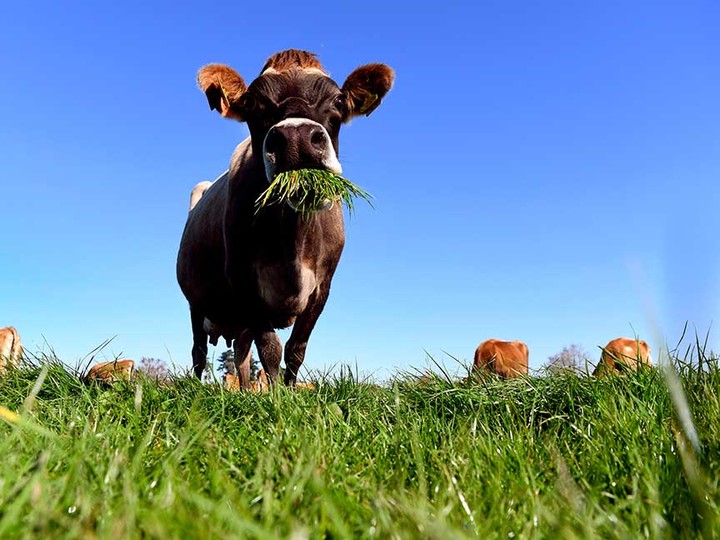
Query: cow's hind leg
[[270, 351], [242, 346], [200, 342]]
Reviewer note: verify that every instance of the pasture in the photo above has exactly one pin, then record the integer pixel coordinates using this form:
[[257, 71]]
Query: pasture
[[538, 457]]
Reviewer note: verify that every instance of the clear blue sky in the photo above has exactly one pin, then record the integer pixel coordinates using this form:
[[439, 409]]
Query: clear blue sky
[[540, 170]]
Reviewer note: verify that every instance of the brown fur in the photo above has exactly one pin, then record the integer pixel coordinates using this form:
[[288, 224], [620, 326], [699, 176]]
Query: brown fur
[[365, 87], [506, 359], [232, 382], [223, 87], [117, 370], [623, 354], [10, 347], [292, 58]]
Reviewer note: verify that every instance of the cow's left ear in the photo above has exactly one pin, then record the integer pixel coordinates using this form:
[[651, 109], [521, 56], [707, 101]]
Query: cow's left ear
[[365, 88], [223, 87]]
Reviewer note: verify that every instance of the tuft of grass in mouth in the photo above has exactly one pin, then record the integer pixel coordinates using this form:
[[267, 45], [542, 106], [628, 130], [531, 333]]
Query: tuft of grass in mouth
[[308, 190]]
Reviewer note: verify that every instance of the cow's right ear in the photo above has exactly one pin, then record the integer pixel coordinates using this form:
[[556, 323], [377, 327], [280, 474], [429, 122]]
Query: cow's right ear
[[365, 88], [223, 87]]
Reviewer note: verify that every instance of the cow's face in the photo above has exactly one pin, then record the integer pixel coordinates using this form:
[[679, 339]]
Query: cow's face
[[294, 110], [296, 115]]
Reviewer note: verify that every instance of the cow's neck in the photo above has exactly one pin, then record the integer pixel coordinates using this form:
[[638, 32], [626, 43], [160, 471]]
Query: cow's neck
[[288, 233]]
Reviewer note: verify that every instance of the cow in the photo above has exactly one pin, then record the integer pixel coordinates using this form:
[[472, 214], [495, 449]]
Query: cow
[[506, 359], [623, 354], [10, 347], [116, 370], [232, 382], [261, 384], [246, 271]]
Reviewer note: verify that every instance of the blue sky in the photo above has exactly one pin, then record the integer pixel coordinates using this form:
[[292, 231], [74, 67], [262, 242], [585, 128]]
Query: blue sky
[[544, 172]]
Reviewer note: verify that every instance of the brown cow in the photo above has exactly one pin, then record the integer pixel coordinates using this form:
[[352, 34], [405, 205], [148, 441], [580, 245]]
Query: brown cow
[[261, 384], [10, 347], [623, 354], [504, 358], [116, 370], [245, 273]]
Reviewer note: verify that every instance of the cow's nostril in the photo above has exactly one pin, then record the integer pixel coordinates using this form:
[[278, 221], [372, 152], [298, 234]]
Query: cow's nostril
[[317, 139], [274, 141]]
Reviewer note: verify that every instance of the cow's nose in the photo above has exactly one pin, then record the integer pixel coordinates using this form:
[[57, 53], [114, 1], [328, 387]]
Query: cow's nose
[[319, 139], [298, 143], [301, 143], [275, 141]]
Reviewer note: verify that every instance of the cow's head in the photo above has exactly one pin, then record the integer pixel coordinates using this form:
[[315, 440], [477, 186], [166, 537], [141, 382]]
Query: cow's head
[[294, 109]]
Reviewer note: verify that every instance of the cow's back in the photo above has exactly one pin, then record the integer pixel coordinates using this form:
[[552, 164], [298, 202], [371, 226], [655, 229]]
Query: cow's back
[[623, 354], [504, 358], [201, 254]]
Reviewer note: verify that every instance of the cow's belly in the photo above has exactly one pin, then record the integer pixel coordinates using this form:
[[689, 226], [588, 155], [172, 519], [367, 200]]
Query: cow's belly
[[285, 292]]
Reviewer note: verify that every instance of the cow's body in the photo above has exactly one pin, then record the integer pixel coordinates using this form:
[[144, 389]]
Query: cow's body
[[10, 347], [259, 385], [245, 271], [113, 371], [504, 358], [623, 354]]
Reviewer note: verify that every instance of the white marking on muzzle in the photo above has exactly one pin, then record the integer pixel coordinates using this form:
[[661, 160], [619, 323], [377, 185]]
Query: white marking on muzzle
[[329, 160]]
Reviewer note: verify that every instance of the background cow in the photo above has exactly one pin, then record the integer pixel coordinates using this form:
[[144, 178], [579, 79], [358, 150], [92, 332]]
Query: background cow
[[10, 347], [115, 370], [623, 354], [260, 385], [504, 358], [246, 273]]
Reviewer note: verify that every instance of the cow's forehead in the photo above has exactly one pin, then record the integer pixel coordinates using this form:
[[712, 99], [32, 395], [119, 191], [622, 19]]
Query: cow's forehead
[[311, 85]]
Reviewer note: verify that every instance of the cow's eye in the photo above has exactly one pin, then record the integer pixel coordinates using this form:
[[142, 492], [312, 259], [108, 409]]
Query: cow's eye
[[248, 102], [339, 103]]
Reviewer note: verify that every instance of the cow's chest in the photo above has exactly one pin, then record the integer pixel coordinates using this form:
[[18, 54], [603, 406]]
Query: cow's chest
[[284, 288]]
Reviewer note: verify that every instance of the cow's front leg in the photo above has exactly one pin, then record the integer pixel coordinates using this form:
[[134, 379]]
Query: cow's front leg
[[241, 346], [270, 351], [304, 324]]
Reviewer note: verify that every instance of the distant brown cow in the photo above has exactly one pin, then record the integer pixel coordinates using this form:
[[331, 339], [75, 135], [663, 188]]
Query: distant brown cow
[[261, 384], [504, 358], [10, 347], [232, 382], [117, 370], [623, 354]]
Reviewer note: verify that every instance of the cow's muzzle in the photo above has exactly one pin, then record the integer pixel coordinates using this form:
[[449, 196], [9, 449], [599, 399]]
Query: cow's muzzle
[[298, 143]]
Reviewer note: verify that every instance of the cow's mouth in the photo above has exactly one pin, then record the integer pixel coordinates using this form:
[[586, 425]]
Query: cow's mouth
[[310, 190], [304, 190]]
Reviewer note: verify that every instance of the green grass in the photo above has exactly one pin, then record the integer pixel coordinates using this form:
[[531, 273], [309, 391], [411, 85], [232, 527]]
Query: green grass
[[308, 190], [545, 457]]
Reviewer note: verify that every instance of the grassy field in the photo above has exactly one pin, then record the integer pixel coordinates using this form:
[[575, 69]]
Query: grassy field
[[543, 457]]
